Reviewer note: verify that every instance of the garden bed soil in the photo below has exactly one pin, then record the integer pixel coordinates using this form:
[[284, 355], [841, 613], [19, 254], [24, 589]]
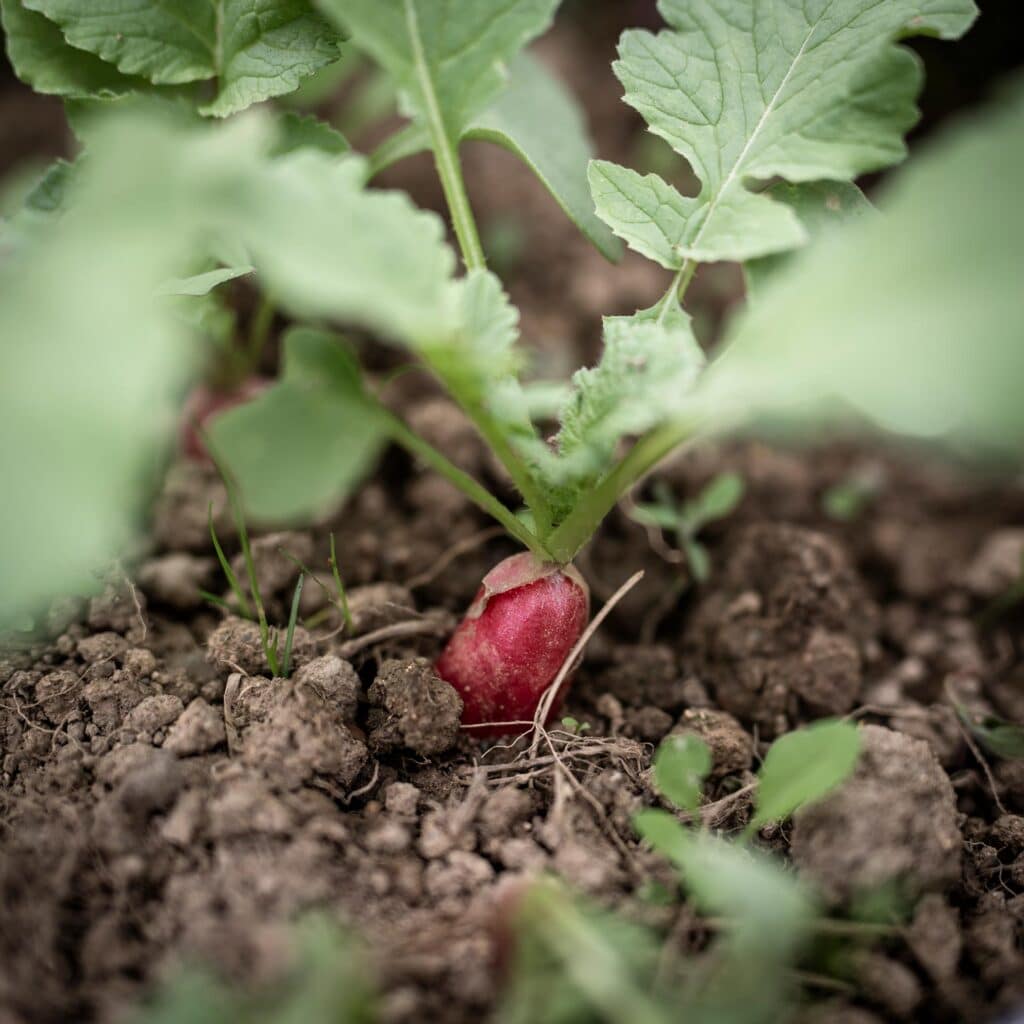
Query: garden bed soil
[[163, 801]]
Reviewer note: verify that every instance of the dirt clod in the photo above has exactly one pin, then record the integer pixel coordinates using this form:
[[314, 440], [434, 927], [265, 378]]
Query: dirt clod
[[782, 633], [894, 822], [335, 680], [413, 708], [236, 644], [731, 746], [199, 729]]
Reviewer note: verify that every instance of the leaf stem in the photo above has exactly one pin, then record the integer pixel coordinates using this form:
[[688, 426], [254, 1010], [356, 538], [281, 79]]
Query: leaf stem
[[677, 289], [473, 490], [579, 526], [445, 154]]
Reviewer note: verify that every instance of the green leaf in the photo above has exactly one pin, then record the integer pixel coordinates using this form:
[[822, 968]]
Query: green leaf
[[89, 393], [999, 737], [308, 440], [718, 499], [449, 66], [803, 766], [535, 118], [663, 833], [42, 58], [254, 49], [680, 767], [911, 321], [650, 362], [821, 207], [204, 283], [298, 131], [746, 92], [327, 247]]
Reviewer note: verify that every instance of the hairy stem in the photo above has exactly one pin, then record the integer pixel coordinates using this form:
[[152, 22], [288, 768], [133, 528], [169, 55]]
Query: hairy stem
[[579, 526]]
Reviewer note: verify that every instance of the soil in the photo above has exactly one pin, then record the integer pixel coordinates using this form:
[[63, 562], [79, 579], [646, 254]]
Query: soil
[[162, 801]]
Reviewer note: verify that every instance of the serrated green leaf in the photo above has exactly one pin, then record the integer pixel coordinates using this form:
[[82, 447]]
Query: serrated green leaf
[[909, 322], [254, 49], [42, 58], [535, 118], [821, 207], [803, 766], [304, 131], [449, 66], [749, 91], [308, 440], [650, 362], [680, 767]]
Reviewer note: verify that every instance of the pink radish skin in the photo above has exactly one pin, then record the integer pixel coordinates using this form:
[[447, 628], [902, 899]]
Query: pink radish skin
[[506, 652], [204, 403]]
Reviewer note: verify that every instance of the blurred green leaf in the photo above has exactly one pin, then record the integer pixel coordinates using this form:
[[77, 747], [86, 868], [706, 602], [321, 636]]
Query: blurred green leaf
[[996, 735], [718, 499], [821, 207], [574, 964], [203, 283], [253, 49], [803, 766], [90, 384], [912, 321], [680, 767], [300, 131], [309, 439], [326, 985], [535, 118]]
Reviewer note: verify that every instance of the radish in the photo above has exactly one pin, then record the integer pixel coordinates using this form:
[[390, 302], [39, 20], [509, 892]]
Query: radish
[[206, 402], [517, 633]]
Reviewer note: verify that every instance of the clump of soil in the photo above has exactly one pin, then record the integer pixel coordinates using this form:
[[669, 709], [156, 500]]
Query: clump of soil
[[891, 826], [783, 633]]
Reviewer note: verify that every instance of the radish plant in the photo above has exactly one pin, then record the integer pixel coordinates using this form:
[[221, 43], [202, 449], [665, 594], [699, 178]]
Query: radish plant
[[865, 326]]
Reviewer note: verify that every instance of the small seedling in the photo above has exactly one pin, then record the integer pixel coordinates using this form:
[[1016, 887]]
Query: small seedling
[[686, 519], [575, 726], [279, 661], [999, 737]]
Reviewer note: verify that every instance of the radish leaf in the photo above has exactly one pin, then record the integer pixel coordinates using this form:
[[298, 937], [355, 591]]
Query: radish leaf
[[854, 329], [448, 67], [680, 767], [821, 206], [803, 766], [537, 119], [43, 58], [748, 91], [253, 49], [309, 439]]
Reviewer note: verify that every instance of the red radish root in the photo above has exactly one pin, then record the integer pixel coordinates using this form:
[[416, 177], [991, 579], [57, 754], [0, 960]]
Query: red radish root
[[521, 626]]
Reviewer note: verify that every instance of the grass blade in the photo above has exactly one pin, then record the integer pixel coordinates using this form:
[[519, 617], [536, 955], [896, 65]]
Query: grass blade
[[229, 573], [286, 665]]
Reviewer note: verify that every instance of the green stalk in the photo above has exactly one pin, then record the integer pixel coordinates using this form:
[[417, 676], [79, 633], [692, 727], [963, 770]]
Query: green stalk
[[580, 525], [473, 490], [445, 155]]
